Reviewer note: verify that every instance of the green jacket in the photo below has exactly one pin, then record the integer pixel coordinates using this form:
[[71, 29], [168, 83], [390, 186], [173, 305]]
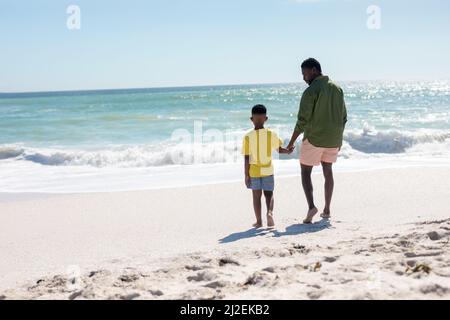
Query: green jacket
[[322, 114]]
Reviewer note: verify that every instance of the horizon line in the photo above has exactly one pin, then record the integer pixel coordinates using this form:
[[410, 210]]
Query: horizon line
[[141, 88], [189, 86]]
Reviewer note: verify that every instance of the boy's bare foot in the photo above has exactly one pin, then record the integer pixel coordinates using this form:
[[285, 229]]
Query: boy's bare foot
[[270, 222], [311, 213], [257, 225]]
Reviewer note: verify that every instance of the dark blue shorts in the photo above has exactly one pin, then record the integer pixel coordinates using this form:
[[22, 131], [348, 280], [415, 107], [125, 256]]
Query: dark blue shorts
[[263, 183]]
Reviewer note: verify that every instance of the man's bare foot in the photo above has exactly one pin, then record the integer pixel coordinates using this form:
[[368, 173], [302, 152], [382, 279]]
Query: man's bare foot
[[325, 215], [311, 213], [257, 224], [270, 222]]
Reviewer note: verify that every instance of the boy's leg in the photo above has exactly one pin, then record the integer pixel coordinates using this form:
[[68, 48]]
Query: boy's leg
[[308, 189], [329, 185], [257, 207], [268, 195]]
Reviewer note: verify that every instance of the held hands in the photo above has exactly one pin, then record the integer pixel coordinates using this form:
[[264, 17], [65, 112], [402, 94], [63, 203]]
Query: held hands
[[287, 150], [290, 148]]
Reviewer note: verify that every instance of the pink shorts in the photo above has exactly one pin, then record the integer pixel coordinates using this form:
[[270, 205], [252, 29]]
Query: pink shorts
[[311, 155]]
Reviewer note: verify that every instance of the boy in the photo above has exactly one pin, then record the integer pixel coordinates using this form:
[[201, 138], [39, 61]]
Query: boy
[[257, 148]]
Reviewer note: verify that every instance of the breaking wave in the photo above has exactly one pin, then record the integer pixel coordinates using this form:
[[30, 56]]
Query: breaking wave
[[363, 143]]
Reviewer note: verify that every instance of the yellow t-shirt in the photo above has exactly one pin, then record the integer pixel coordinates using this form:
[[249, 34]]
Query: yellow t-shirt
[[259, 144]]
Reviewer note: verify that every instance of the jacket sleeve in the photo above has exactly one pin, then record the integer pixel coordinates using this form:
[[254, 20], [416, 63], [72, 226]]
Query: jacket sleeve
[[305, 111], [344, 120]]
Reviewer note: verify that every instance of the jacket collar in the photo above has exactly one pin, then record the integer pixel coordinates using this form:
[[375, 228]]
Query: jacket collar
[[321, 78]]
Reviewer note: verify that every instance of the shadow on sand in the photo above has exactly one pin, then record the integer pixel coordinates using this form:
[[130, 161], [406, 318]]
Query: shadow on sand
[[291, 230]]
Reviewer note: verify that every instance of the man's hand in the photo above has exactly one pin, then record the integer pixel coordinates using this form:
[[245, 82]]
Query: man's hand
[[247, 181], [291, 145]]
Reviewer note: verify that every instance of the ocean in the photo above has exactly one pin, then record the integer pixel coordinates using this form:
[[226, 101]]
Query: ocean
[[133, 139]]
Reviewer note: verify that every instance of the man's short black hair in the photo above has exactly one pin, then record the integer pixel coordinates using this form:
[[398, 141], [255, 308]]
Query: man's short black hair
[[259, 109], [311, 63]]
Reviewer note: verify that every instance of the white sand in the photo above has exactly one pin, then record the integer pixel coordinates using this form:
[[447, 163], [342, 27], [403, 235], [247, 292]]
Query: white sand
[[388, 238]]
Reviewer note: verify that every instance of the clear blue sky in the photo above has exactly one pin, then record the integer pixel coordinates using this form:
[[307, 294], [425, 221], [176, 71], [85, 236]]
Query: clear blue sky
[[139, 43]]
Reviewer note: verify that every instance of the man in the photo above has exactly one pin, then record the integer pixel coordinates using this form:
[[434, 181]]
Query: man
[[321, 119]]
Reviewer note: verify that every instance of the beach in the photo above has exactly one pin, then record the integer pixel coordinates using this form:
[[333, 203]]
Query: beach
[[388, 238]]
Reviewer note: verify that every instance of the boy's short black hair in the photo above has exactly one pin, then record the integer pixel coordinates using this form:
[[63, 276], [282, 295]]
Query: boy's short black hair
[[311, 63], [259, 109]]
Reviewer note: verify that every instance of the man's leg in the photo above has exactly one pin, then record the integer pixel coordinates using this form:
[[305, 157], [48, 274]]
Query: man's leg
[[329, 185], [308, 189], [257, 207], [268, 195], [307, 185]]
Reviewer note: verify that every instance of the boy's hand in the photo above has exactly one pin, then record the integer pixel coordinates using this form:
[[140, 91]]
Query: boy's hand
[[283, 150], [247, 181]]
